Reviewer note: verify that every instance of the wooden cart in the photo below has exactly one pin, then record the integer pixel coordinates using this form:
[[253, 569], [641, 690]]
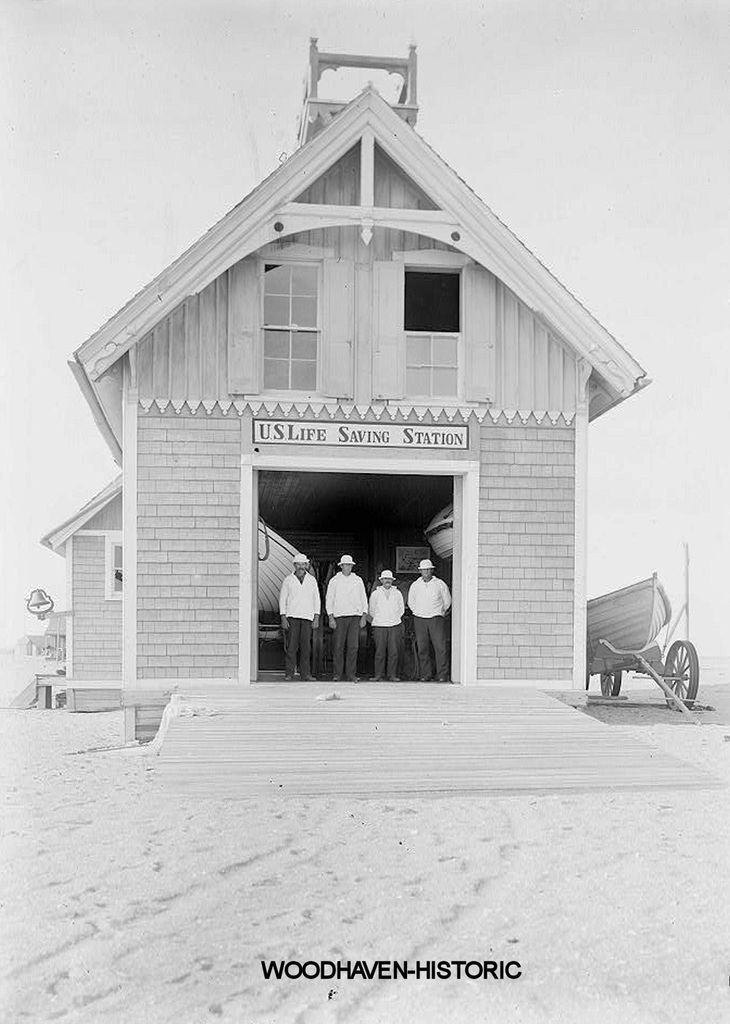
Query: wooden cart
[[623, 627]]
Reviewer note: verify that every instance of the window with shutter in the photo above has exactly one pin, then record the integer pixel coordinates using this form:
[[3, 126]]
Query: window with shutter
[[291, 327], [431, 316]]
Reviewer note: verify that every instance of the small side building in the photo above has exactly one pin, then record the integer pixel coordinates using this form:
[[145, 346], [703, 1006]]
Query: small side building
[[91, 542]]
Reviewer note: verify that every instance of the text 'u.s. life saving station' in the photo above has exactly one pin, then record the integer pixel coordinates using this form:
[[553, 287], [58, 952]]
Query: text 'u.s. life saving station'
[[364, 435]]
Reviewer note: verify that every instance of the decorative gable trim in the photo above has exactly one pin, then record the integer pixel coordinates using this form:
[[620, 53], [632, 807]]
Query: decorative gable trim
[[463, 221]]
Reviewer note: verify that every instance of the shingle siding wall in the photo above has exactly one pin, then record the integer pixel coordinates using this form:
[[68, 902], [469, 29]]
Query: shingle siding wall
[[526, 552], [188, 485], [97, 622]]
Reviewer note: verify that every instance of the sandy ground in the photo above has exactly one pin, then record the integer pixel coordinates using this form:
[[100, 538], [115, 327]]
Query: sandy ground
[[121, 905]]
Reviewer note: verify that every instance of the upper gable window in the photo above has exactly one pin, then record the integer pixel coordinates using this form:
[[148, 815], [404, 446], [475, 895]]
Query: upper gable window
[[432, 301], [291, 328], [432, 323]]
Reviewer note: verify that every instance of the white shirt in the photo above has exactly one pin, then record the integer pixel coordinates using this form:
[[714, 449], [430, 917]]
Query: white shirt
[[298, 599], [429, 599], [386, 606], [346, 595]]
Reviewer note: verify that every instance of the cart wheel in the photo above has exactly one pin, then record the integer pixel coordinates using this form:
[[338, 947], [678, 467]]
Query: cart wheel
[[682, 671], [611, 683]]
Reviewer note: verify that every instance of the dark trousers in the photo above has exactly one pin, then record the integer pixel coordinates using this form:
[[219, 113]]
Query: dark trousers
[[386, 650], [431, 631], [347, 641], [299, 639]]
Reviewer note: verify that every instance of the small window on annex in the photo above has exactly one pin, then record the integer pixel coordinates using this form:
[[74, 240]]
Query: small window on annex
[[114, 569], [290, 327], [432, 324]]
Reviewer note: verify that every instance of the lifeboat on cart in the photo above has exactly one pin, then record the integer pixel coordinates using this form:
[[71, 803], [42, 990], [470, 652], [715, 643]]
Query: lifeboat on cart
[[440, 532]]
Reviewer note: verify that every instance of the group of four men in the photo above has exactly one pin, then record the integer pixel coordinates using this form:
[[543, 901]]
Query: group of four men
[[348, 610]]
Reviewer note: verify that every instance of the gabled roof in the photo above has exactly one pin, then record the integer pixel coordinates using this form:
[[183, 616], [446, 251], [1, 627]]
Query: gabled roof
[[56, 539], [462, 221]]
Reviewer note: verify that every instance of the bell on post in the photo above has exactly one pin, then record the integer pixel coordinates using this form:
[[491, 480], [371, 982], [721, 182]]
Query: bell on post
[[39, 603]]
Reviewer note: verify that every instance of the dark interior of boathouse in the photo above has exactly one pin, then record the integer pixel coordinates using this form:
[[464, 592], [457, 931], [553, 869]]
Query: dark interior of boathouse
[[375, 518]]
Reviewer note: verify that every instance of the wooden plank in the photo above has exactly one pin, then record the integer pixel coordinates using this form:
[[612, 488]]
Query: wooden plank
[[221, 320], [192, 347], [208, 343], [161, 361], [178, 368], [381, 739]]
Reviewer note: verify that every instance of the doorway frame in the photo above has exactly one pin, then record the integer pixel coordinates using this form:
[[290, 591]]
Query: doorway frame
[[465, 474]]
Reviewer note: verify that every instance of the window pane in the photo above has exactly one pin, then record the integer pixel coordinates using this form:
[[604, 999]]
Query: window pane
[[432, 301], [277, 280], [276, 310], [444, 351], [117, 578], [276, 344], [276, 373], [444, 382], [304, 280], [418, 382], [303, 345], [418, 351], [303, 375], [304, 312]]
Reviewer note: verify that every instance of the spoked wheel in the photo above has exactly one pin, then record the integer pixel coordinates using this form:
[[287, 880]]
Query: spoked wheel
[[682, 671], [611, 683]]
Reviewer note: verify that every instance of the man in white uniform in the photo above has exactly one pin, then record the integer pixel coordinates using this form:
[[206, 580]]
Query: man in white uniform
[[429, 600], [299, 607], [386, 614], [347, 604]]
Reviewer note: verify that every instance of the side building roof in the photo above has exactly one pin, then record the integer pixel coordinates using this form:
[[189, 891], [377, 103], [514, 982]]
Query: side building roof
[[56, 538]]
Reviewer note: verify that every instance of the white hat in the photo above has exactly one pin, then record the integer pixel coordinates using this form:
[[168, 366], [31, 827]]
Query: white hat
[[300, 560], [386, 574], [426, 563], [346, 560]]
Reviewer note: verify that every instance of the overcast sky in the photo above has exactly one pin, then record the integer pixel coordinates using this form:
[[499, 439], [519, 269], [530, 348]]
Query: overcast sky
[[598, 131]]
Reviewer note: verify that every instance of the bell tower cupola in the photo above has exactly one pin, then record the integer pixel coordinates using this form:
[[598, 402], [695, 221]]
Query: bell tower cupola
[[317, 112]]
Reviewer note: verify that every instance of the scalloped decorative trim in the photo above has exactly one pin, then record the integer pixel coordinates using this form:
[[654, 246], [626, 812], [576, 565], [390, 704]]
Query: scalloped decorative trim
[[364, 413]]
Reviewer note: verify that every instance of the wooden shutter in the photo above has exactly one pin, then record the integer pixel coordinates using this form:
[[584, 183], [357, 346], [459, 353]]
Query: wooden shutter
[[480, 332], [244, 342], [338, 327], [389, 359]]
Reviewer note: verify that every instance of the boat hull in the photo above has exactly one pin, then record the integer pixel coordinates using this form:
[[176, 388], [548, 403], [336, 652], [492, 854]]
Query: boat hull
[[440, 533], [630, 619], [275, 563]]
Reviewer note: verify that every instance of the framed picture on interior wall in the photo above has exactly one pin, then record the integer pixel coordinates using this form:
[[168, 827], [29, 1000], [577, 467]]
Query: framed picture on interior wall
[[407, 558]]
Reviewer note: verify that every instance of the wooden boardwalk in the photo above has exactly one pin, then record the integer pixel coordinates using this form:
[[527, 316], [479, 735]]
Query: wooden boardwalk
[[385, 740]]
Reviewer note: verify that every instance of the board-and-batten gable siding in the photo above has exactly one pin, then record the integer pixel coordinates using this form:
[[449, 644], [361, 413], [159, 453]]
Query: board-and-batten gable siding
[[188, 507], [186, 356], [97, 621], [340, 185], [526, 551], [107, 518], [208, 348]]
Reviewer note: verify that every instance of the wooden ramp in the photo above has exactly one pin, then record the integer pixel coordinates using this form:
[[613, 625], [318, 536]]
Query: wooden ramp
[[389, 740]]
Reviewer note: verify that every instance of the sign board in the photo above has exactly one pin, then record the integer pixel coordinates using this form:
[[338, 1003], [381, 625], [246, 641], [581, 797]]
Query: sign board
[[361, 435], [407, 559]]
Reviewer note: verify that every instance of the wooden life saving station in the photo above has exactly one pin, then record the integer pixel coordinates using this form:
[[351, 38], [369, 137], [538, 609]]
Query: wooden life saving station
[[358, 344]]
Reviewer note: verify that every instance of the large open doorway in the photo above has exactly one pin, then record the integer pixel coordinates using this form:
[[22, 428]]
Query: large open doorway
[[377, 518]]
